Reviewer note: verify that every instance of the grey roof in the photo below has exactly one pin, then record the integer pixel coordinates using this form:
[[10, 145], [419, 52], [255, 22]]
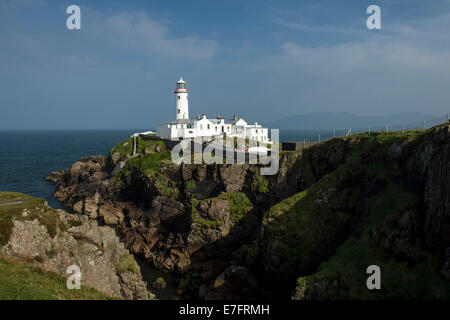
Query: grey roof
[[191, 121], [216, 121], [182, 121]]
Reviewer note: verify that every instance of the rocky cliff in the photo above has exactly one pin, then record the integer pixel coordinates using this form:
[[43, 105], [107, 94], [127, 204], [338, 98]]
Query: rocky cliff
[[53, 240], [224, 231]]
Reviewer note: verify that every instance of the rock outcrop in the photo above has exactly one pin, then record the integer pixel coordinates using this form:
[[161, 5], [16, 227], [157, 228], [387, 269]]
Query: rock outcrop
[[53, 240], [228, 232]]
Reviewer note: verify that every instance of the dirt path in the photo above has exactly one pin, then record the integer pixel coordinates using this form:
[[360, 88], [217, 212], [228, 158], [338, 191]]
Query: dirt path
[[12, 202]]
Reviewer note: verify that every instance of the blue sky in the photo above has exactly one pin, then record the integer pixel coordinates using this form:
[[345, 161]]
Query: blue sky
[[263, 60]]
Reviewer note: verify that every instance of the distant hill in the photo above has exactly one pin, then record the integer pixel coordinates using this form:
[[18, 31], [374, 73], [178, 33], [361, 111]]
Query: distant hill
[[323, 120]]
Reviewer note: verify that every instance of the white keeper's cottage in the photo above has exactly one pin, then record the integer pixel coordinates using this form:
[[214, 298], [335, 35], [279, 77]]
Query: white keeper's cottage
[[184, 127]]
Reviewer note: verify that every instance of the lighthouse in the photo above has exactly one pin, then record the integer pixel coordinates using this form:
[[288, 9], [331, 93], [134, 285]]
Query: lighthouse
[[184, 128], [181, 100]]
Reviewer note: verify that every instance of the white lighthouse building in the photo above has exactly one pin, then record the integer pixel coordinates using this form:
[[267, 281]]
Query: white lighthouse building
[[183, 127]]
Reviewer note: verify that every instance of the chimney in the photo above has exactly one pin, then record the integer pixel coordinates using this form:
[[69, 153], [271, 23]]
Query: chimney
[[198, 117], [204, 115], [235, 117], [218, 117]]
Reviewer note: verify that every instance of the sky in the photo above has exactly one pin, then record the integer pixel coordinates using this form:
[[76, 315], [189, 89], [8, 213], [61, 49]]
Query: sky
[[262, 60]]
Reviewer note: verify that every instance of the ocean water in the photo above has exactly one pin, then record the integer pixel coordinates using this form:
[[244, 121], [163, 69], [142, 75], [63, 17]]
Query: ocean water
[[27, 157]]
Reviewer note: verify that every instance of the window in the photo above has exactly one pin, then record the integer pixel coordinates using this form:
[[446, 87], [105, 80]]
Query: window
[[208, 127], [216, 128], [178, 111], [190, 131], [256, 130], [201, 127], [179, 97]]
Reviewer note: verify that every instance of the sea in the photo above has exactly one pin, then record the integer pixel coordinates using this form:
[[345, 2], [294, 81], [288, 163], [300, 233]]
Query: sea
[[27, 157]]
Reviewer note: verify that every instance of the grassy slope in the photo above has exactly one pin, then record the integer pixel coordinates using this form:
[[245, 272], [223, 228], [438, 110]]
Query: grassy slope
[[22, 281], [11, 206], [19, 279], [301, 223]]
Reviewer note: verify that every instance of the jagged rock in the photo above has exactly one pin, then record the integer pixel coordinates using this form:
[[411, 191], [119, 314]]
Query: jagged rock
[[96, 250], [160, 225], [78, 207], [159, 283], [233, 176], [91, 208], [111, 214], [162, 209]]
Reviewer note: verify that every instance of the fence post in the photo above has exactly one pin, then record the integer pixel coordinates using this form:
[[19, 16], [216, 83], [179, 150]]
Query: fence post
[[349, 132], [387, 128], [369, 129], [424, 124], [304, 143], [448, 117], [403, 129], [319, 138], [334, 132]]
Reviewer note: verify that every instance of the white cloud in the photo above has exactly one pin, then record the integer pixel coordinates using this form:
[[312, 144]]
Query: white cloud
[[361, 77], [137, 32]]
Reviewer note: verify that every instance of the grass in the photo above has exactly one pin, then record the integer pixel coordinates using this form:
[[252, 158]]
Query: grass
[[127, 263], [321, 215], [22, 281], [238, 206], [238, 203], [260, 184], [12, 204], [124, 148], [199, 219], [190, 186], [150, 145], [407, 272]]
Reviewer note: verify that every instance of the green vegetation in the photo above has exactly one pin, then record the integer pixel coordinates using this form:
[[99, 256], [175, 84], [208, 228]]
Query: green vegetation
[[159, 283], [260, 184], [148, 164], [124, 148], [150, 146], [190, 186], [22, 207], [323, 213], [127, 263], [407, 271], [143, 146], [22, 281], [238, 204], [198, 218]]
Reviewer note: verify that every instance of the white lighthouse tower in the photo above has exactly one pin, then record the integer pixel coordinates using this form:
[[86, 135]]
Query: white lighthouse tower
[[181, 100]]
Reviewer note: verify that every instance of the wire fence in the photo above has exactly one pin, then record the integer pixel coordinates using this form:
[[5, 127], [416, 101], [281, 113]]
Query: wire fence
[[316, 136]]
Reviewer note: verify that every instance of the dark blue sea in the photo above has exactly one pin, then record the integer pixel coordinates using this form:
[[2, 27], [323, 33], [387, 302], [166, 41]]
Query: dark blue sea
[[27, 157]]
